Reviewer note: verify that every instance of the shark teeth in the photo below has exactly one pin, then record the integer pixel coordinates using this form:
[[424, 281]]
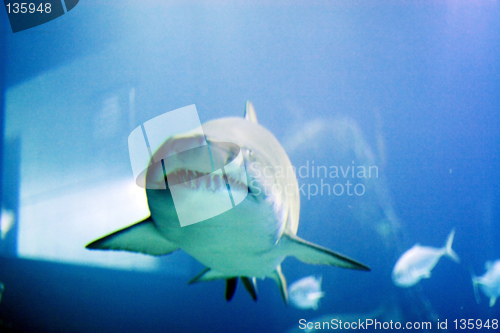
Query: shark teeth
[[199, 180]]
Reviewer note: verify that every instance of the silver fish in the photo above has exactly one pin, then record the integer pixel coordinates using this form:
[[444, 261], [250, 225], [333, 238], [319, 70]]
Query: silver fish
[[418, 262], [489, 282], [306, 293]]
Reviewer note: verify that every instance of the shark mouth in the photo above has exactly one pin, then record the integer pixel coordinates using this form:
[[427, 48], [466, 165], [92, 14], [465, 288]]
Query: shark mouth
[[203, 182], [213, 181], [218, 176], [212, 167], [217, 166]]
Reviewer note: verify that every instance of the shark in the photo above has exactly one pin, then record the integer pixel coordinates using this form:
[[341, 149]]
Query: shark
[[247, 242]]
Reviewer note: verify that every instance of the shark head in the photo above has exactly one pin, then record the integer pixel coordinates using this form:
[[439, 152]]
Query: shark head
[[247, 239], [227, 159]]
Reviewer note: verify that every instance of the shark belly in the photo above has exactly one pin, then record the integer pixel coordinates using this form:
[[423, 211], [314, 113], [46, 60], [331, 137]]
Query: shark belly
[[239, 242]]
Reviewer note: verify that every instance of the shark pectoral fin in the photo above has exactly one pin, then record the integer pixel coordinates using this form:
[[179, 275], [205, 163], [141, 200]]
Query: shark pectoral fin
[[280, 280], [231, 284], [142, 237], [493, 300], [314, 254], [251, 286], [250, 113]]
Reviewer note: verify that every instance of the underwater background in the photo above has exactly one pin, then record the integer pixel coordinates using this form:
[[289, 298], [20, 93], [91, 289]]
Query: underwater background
[[409, 88]]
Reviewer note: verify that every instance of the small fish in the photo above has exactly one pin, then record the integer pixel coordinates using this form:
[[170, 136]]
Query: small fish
[[489, 282], [418, 262], [306, 293]]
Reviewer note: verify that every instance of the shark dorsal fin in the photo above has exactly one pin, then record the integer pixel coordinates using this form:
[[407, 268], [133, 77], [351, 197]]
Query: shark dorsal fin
[[250, 114]]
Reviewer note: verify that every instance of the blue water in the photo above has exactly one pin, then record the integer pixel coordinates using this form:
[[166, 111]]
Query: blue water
[[411, 88]]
